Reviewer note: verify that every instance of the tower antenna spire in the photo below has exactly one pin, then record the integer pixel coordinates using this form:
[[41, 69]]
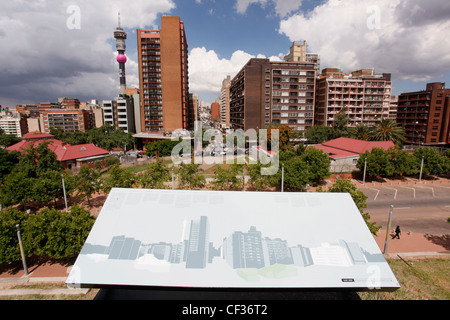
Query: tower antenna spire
[[119, 19]]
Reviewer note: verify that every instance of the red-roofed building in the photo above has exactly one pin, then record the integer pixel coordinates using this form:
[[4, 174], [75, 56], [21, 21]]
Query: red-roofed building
[[344, 152], [71, 156]]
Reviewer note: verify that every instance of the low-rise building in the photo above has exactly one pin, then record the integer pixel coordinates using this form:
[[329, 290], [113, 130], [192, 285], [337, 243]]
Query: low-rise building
[[71, 156], [345, 152]]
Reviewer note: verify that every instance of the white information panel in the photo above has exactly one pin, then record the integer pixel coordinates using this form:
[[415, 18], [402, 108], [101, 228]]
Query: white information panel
[[215, 239]]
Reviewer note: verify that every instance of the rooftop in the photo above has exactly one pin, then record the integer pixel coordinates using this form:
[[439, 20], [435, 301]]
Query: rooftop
[[346, 147]]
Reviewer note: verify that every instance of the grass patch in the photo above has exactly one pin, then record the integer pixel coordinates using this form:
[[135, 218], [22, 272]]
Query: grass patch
[[423, 280]]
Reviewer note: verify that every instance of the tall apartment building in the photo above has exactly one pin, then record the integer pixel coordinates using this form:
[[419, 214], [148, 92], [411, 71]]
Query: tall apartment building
[[281, 92], [224, 103], [194, 105], [426, 115], [163, 75], [66, 103], [365, 95], [215, 112], [68, 120], [13, 123], [120, 113]]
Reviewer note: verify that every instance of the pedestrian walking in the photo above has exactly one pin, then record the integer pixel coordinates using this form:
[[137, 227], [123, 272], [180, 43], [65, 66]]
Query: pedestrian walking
[[397, 233]]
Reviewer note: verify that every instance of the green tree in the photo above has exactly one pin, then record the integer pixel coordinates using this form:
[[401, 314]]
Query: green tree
[[9, 244], [434, 162], [161, 148], [388, 130], [228, 179], [7, 140], [318, 164], [190, 176], [7, 162], [346, 186], [296, 174], [378, 163], [340, 123], [118, 178], [36, 161], [284, 135], [88, 181], [360, 132], [58, 234], [111, 160], [404, 162], [17, 188], [321, 133], [48, 187], [155, 176], [257, 180]]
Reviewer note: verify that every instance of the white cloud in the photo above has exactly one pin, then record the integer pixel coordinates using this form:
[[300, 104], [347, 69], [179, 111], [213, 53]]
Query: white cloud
[[407, 42], [47, 59], [282, 7], [207, 70]]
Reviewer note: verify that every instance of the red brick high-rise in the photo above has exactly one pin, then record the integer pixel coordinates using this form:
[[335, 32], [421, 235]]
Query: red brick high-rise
[[163, 75], [426, 115]]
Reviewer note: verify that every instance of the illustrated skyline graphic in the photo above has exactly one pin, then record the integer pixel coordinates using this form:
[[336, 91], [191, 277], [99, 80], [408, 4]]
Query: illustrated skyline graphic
[[240, 250]]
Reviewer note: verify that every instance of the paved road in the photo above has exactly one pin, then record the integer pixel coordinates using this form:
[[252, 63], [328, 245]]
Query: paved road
[[422, 209]]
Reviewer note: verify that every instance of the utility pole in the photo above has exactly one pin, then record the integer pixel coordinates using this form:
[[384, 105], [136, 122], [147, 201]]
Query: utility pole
[[282, 178]]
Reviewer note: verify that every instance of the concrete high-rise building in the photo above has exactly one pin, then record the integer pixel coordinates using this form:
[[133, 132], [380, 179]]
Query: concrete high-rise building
[[426, 115], [194, 105], [364, 95], [69, 120], [13, 123], [163, 75], [224, 103], [120, 113], [298, 53], [281, 92]]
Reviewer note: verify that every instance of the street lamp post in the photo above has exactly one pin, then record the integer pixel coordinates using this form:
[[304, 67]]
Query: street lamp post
[[22, 253], [387, 231], [365, 170], [421, 169], [282, 178], [64, 190], [173, 180]]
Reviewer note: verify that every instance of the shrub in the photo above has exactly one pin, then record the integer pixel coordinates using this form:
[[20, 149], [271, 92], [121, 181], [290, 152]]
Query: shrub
[[49, 234]]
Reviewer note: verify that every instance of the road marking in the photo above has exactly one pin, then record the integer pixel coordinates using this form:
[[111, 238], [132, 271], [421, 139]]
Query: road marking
[[396, 191], [432, 190], [378, 192], [413, 189]]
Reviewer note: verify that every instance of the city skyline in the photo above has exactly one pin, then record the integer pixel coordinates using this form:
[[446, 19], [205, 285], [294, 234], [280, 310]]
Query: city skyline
[[222, 37], [240, 250]]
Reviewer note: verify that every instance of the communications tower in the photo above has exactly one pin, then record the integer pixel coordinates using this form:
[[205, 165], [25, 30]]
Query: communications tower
[[121, 36]]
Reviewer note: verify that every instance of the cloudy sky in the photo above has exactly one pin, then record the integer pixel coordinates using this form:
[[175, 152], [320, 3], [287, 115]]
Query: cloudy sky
[[65, 48]]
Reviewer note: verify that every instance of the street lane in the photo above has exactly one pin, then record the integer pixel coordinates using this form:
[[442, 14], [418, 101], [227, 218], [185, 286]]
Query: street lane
[[418, 209]]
